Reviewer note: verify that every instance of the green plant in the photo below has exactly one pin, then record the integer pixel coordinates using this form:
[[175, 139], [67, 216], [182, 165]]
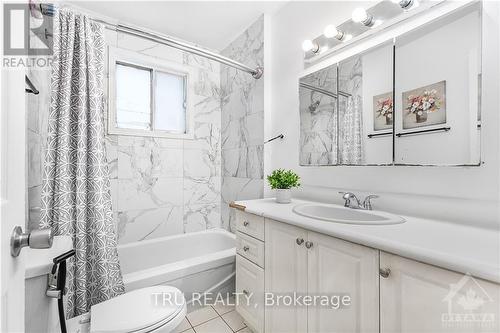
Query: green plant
[[283, 179]]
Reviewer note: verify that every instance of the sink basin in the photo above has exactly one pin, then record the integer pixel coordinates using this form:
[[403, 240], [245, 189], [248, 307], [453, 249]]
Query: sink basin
[[340, 214]]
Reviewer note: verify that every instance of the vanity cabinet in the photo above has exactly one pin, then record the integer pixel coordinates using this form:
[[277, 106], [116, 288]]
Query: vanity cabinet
[[388, 293], [309, 263], [285, 273], [250, 269], [416, 297], [337, 267]]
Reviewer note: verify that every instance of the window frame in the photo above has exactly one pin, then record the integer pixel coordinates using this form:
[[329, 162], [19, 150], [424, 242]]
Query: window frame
[[154, 65]]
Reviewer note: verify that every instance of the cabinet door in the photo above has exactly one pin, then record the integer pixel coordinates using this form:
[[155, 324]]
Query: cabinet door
[[417, 297], [285, 273], [338, 268]]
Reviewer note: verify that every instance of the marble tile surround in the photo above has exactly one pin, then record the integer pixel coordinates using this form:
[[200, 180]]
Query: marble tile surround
[[242, 122], [163, 186], [167, 186]]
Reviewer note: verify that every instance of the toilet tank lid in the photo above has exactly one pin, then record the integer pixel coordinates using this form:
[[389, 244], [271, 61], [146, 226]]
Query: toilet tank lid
[[137, 310]]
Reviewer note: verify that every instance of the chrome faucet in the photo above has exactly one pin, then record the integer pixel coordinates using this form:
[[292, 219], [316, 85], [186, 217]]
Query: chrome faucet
[[351, 201]]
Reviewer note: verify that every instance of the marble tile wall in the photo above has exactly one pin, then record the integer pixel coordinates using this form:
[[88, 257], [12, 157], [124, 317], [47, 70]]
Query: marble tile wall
[[159, 186], [242, 122], [164, 186]]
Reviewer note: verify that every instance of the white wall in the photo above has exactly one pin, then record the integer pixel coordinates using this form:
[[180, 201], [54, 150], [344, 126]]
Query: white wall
[[459, 194]]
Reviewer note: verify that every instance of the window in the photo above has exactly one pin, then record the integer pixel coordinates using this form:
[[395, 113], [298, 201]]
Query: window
[[147, 97]]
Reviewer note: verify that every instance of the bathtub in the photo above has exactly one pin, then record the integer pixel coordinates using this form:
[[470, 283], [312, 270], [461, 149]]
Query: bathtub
[[195, 262]]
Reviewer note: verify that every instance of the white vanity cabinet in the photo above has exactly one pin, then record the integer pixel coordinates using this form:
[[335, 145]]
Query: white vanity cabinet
[[310, 263], [388, 293], [285, 273], [250, 269], [416, 297]]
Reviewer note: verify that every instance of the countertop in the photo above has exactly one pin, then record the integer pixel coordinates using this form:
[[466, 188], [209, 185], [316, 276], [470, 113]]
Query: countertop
[[464, 249], [39, 261]]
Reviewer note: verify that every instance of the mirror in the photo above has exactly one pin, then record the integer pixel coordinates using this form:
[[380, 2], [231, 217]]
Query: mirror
[[365, 108], [437, 83], [318, 117], [420, 87]]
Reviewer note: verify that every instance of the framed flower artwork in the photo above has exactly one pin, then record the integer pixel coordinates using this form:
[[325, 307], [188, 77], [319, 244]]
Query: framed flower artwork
[[425, 106], [383, 111]]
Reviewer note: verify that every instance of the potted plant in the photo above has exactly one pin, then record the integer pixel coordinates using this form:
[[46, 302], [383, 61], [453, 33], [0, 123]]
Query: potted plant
[[282, 181]]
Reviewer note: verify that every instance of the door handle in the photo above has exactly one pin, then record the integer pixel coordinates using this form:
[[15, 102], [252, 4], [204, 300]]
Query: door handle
[[37, 239], [385, 272]]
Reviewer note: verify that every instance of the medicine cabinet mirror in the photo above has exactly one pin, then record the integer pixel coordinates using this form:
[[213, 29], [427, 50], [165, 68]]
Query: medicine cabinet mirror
[[414, 100]]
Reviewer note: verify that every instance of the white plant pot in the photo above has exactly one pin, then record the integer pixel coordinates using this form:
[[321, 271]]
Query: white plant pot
[[283, 196]]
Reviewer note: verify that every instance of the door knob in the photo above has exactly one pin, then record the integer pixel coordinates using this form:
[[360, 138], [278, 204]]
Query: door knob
[[385, 272], [37, 239]]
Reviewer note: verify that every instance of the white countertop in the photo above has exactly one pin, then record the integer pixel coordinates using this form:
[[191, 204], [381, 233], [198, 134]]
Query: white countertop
[[460, 248], [39, 261]]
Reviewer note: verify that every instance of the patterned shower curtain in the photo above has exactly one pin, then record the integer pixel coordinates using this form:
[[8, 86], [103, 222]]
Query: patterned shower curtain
[[352, 132], [76, 196]]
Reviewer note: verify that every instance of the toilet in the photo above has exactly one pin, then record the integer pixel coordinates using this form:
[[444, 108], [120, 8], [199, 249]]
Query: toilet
[[158, 309]]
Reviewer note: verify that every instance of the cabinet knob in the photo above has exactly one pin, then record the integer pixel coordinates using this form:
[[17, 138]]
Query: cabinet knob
[[245, 292], [246, 223], [246, 248], [385, 272], [299, 241], [309, 244]]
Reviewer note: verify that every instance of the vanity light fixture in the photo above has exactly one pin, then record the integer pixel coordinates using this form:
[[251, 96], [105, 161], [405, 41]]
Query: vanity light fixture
[[359, 15], [332, 31], [406, 4], [309, 45]]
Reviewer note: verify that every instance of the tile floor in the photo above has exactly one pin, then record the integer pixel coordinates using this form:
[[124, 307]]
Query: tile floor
[[213, 319]]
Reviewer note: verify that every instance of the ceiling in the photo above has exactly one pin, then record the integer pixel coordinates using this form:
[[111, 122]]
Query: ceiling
[[212, 24]]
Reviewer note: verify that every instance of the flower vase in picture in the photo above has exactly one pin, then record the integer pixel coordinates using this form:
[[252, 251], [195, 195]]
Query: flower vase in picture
[[383, 111], [421, 116], [425, 106]]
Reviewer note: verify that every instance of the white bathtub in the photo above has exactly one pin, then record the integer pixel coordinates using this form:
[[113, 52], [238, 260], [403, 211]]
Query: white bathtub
[[194, 262]]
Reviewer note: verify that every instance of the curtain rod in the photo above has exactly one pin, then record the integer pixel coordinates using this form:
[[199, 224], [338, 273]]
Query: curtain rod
[[323, 91], [175, 43]]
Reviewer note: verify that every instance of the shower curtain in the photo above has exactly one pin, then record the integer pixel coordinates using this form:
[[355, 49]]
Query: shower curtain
[[352, 132], [76, 196]]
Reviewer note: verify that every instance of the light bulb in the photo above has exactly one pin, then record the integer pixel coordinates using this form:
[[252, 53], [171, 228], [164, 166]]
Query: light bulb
[[309, 45], [330, 31], [359, 15]]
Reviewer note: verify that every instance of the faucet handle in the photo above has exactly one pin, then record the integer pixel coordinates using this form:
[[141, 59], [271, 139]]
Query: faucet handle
[[367, 203], [347, 196]]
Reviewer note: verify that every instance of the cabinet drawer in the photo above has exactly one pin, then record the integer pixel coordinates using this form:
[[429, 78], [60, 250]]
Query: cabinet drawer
[[250, 280], [250, 224], [250, 248]]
